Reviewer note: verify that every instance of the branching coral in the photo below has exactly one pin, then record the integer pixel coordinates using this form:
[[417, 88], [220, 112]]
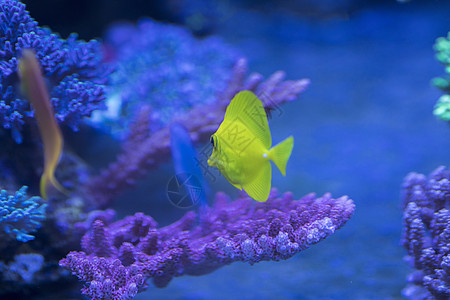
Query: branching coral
[[426, 234], [442, 47], [73, 69], [201, 121], [118, 259], [20, 215]]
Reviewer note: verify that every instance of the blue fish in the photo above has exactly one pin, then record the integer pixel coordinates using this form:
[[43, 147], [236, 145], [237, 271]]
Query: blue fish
[[187, 167]]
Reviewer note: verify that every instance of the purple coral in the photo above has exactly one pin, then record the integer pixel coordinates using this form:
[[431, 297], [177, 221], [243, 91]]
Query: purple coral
[[426, 234], [119, 258], [73, 68], [166, 67]]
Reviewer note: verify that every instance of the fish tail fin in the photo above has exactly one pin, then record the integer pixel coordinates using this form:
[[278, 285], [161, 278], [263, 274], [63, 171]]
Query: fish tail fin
[[43, 186], [45, 180], [281, 152], [58, 186]]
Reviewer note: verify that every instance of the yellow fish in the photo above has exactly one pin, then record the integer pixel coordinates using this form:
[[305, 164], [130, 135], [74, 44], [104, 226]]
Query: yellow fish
[[242, 147], [36, 91]]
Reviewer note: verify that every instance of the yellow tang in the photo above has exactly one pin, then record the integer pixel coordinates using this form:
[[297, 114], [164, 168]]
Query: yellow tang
[[242, 147]]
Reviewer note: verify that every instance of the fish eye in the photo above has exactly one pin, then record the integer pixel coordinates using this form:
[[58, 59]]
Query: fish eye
[[213, 141]]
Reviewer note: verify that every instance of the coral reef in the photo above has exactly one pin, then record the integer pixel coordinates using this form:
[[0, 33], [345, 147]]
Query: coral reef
[[117, 259], [73, 69], [442, 108], [20, 215], [426, 234], [163, 75], [201, 121]]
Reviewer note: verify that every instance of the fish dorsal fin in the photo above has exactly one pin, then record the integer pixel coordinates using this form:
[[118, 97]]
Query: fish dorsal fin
[[249, 110], [259, 187]]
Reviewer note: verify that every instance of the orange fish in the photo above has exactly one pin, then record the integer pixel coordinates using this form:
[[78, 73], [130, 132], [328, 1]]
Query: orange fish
[[36, 91]]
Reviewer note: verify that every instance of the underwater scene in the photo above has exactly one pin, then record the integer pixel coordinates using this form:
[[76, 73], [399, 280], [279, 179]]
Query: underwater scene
[[225, 149]]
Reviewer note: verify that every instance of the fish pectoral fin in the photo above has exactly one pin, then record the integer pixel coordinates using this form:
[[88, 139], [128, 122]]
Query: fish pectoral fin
[[259, 187]]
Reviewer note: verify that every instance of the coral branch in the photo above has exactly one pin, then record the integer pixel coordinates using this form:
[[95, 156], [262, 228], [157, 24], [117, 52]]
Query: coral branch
[[241, 230], [20, 215], [139, 129]]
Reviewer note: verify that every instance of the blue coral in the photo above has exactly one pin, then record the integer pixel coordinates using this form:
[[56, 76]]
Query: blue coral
[[23, 268], [166, 67], [73, 69], [20, 215]]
